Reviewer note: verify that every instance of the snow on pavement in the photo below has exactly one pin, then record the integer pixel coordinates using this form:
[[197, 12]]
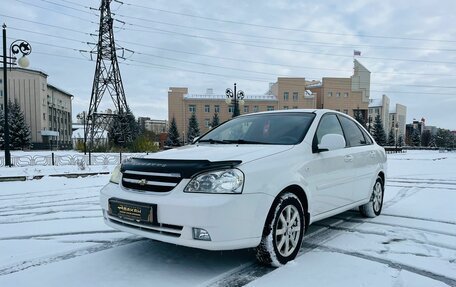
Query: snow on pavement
[[52, 233]]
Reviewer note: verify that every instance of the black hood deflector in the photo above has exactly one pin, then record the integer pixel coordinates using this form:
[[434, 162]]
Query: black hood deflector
[[186, 168]]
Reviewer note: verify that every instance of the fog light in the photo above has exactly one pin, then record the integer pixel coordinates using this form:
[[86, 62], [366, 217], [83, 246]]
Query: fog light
[[201, 234]]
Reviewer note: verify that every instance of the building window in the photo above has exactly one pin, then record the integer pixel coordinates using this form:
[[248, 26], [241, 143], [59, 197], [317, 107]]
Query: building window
[[285, 96], [207, 109], [270, 108], [217, 108], [371, 111], [330, 94], [231, 109], [44, 116], [345, 95], [285, 107], [377, 111], [206, 123], [295, 96], [337, 110], [338, 95], [246, 109], [295, 107], [192, 108], [255, 109], [346, 112]]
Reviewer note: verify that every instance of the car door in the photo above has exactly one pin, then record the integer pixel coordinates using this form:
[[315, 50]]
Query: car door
[[329, 172], [361, 151]]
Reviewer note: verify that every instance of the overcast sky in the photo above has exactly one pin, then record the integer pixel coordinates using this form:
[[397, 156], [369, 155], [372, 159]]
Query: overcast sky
[[409, 46]]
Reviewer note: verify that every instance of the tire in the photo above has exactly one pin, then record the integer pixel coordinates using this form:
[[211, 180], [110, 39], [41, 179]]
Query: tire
[[374, 207], [283, 232]]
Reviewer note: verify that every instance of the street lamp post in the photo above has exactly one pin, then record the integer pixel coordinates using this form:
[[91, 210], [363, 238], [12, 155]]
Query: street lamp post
[[369, 124], [236, 98], [18, 46], [396, 128]]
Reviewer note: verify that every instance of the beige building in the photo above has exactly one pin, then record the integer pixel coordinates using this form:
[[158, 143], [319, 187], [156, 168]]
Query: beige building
[[156, 126], [286, 93], [348, 95], [390, 115], [397, 118], [46, 108]]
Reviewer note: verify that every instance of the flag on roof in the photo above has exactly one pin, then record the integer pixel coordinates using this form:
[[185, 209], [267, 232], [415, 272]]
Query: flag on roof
[[356, 53]]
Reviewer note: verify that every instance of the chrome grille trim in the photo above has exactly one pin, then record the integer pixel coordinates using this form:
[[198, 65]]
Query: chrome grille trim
[[150, 182], [177, 175]]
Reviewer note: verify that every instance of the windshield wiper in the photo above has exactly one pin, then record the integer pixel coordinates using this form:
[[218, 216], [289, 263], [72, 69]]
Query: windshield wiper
[[213, 141], [239, 141]]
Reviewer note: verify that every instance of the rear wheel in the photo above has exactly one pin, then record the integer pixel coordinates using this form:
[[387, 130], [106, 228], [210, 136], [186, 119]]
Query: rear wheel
[[283, 232], [374, 207]]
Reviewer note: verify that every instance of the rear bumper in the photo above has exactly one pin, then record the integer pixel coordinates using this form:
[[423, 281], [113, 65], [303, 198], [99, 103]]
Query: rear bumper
[[234, 221]]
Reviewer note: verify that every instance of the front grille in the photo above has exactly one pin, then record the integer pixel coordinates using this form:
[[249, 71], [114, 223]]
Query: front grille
[[150, 181]]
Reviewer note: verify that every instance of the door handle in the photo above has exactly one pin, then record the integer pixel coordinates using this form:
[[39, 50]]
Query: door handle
[[372, 154], [348, 158]]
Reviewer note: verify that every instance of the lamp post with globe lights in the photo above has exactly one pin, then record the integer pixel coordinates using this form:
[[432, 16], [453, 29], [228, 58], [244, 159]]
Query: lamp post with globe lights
[[16, 47], [237, 98]]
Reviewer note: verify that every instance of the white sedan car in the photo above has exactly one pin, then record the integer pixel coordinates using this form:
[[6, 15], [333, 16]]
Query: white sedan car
[[258, 180]]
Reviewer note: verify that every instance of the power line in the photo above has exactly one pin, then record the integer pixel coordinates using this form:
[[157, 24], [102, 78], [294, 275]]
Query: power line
[[233, 59], [171, 68], [56, 11], [163, 31], [284, 28], [230, 68], [296, 41]]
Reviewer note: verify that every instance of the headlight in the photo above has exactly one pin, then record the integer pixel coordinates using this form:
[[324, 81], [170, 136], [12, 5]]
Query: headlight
[[220, 181], [116, 175]]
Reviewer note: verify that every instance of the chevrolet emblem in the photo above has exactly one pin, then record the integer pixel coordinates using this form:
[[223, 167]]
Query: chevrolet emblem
[[142, 182]]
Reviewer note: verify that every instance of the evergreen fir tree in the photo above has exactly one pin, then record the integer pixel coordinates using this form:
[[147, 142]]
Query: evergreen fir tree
[[215, 120], [426, 138], [173, 134], [378, 133], [193, 128], [19, 131], [2, 124], [359, 118], [416, 139], [124, 129], [400, 141], [391, 139]]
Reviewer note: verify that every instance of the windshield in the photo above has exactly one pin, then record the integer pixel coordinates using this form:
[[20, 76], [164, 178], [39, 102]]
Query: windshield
[[269, 128]]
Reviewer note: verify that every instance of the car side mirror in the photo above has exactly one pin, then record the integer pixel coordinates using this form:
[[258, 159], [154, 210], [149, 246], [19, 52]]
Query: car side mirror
[[331, 142]]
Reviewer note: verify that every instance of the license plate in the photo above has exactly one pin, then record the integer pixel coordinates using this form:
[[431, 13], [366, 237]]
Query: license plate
[[133, 211]]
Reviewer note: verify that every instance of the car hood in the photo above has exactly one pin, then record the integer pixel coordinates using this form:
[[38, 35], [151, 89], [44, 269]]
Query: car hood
[[215, 152]]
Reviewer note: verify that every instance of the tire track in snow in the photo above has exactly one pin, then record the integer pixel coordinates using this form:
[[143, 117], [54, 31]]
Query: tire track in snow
[[419, 218], [51, 190], [398, 225], [34, 213], [85, 203], [32, 236], [65, 256], [392, 264], [388, 236], [37, 204], [240, 277], [52, 219]]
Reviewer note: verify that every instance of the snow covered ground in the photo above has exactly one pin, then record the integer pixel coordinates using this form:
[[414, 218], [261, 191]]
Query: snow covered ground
[[52, 234]]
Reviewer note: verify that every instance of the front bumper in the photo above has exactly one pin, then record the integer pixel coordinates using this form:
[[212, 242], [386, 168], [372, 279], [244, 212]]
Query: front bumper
[[234, 221]]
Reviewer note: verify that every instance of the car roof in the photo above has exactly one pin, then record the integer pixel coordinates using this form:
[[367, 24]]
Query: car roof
[[315, 111]]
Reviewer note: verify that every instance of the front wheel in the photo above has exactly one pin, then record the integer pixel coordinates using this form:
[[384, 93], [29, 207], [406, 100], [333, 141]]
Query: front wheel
[[283, 232], [374, 207]]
